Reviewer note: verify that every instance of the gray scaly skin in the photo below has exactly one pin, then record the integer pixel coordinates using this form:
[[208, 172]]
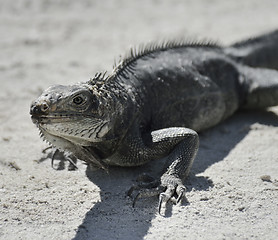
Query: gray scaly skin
[[153, 103]]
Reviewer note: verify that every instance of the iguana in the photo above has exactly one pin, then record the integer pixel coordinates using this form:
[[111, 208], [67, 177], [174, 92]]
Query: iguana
[[153, 104]]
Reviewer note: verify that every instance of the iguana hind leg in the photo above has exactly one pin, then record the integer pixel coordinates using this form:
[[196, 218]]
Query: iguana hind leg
[[259, 86]]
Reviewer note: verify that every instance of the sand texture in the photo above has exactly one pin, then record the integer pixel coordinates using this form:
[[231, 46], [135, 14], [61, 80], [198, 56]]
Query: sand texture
[[232, 188]]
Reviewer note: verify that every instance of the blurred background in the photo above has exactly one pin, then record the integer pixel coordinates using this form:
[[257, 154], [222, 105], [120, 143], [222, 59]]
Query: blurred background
[[54, 41]]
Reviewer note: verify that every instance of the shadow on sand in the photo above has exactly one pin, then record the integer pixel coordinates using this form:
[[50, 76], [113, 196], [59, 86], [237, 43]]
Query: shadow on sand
[[113, 216]]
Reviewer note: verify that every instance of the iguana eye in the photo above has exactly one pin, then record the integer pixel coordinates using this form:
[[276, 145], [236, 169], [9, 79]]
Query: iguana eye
[[78, 100]]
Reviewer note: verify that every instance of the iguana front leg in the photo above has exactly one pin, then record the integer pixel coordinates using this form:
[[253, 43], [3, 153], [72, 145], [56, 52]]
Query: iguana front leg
[[179, 161], [178, 145]]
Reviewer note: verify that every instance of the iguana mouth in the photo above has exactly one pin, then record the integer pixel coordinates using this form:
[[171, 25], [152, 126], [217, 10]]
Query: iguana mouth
[[50, 119], [56, 118]]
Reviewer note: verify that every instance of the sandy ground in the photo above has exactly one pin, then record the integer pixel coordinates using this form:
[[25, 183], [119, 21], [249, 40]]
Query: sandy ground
[[233, 188]]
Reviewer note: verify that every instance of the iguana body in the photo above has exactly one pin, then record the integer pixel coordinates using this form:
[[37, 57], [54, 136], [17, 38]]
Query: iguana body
[[153, 103]]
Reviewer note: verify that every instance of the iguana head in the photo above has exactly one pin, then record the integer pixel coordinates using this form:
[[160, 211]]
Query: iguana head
[[77, 114]]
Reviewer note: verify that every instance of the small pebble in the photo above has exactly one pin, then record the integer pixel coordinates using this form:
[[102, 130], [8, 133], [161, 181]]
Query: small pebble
[[266, 178]]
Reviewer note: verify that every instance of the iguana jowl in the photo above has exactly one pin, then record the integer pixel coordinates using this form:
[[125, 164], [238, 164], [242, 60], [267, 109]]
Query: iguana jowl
[[154, 102]]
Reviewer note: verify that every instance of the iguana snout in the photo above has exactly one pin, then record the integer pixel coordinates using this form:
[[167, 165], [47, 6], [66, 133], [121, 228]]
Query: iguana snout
[[39, 109]]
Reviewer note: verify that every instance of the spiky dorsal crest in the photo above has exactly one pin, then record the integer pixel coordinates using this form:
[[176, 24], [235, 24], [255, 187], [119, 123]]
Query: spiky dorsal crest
[[125, 64], [153, 47], [102, 85], [99, 78], [97, 83]]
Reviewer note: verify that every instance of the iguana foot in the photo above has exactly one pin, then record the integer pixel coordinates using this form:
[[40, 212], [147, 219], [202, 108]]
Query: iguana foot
[[175, 190], [168, 188], [62, 156], [147, 187]]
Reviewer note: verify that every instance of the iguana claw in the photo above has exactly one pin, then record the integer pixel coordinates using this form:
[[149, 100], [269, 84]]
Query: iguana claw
[[155, 188], [61, 155], [181, 194]]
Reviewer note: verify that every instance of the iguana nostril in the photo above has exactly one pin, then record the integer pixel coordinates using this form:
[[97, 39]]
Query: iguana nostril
[[44, 107], [37, 109]]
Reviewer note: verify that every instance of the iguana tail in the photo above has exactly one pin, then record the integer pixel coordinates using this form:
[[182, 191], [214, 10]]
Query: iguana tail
[[259, 75], [260, 51]]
